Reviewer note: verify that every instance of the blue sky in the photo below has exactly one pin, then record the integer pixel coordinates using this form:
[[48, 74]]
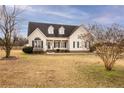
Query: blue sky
[[74, 15]]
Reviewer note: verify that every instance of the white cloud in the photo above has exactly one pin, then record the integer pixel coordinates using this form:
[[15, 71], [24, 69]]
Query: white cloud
[[65, 12], [107, 19], [60, 14], [26, 7]]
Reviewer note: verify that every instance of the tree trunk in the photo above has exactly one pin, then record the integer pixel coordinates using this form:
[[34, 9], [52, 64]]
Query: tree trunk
[[8, 53], [108, 67]]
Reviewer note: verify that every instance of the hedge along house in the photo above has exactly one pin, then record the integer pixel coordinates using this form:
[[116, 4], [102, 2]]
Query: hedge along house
[[48, 37]]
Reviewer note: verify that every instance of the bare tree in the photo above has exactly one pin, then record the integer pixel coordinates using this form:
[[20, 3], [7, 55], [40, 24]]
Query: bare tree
[[87, 38], [109, 43], [8, 27]]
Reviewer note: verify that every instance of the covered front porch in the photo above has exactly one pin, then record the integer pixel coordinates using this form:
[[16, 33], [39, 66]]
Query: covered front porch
[[57, 44]]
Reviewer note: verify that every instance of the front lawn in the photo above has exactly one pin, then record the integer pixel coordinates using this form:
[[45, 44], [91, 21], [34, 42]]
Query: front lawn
[[36, 70]]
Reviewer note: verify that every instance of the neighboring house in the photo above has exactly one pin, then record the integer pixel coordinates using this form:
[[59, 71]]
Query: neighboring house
[[47, 36]]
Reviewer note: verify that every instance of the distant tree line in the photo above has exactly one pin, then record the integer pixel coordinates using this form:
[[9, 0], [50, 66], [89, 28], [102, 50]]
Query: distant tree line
[[20, 41]]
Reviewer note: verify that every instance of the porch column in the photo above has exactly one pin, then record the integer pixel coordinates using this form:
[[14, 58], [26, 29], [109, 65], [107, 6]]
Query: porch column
[[68, 46], [53, 45]]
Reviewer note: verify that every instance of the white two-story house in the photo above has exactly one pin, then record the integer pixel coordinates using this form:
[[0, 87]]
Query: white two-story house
[[47, 36]]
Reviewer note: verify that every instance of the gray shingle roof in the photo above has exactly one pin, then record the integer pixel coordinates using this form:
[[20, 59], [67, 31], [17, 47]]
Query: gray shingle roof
[[69, 29]]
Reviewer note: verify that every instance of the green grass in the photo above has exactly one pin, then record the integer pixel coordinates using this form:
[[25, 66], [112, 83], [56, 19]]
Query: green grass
[[97, 76]]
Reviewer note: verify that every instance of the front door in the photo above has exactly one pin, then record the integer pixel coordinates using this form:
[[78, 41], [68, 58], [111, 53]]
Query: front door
[[49, 45]]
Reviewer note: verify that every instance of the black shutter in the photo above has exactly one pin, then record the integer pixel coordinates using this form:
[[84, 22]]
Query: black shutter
[[41, 44], [33, 43], [65, 44], [73, 44], [58, 44]]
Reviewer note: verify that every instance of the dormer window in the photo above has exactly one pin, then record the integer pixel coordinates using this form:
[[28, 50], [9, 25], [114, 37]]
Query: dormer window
[[61, 30], [51, 30]]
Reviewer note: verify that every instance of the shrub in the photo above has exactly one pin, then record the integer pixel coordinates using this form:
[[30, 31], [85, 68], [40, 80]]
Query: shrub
[[61, 51], [28, 49], [92, 48], [66, 50], [57, 50]]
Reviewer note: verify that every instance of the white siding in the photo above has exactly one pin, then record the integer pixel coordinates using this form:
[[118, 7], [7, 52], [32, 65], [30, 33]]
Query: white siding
[[37, 33], [74, 37]]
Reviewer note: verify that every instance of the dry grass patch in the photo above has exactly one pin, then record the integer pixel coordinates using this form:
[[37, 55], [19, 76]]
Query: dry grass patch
[[58, 71]]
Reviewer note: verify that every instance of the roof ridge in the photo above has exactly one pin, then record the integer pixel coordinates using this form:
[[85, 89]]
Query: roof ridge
[[53, 23]]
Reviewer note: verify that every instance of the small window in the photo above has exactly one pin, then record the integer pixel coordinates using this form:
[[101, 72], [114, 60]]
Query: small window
[[58, 44], [87, 44], [61, 30], [51, 30], [78, 44], [41, 44], [63, 44], [73, 44]]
